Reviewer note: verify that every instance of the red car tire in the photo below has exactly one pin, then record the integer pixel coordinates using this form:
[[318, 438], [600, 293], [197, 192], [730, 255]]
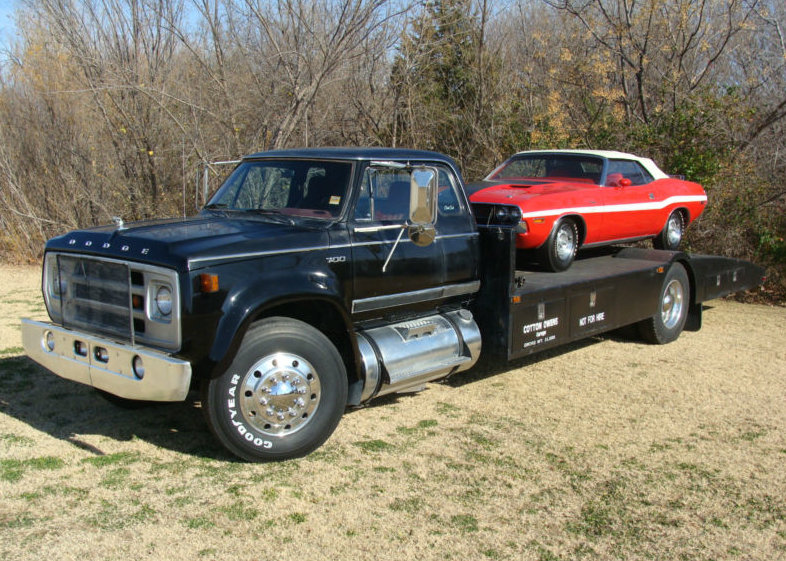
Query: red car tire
[[559, 250], [671, 235]]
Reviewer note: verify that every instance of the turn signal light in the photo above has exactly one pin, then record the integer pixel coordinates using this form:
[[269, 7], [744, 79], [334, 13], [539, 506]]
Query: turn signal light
[[208, 283]]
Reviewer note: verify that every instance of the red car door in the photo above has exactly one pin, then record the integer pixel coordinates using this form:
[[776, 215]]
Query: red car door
[[631, 199]]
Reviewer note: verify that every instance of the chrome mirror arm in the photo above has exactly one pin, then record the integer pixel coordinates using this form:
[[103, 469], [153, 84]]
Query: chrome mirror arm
[[395, 245]]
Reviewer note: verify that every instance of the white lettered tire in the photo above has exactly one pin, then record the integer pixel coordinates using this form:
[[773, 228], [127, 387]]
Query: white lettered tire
[[282, 396]]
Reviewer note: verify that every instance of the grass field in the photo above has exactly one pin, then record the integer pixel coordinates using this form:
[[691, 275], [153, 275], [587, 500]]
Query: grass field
[[608, 449]]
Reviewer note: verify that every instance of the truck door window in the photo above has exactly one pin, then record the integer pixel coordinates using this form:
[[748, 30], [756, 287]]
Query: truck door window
[[389, 189], [385, 192], [448, 202]]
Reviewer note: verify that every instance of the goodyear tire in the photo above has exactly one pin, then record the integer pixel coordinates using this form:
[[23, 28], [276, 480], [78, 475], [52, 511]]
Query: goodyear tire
[[282, 396], [667, 324], [558, 252], [671, 235]]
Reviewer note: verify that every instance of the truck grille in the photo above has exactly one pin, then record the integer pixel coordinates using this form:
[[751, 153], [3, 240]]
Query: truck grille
[[113, 298], [98, 298]]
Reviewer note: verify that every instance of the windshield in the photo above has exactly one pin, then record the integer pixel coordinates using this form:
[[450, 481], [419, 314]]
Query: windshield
[[315, 189], [551, 166]]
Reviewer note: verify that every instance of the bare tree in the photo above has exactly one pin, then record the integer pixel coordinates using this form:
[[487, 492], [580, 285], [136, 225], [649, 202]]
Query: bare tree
[[306, 44]]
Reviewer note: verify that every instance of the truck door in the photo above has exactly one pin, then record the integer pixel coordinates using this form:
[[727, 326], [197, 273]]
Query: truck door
[[456, 231], [390, 272]]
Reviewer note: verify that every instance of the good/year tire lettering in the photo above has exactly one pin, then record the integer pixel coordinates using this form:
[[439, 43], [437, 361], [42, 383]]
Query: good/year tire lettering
[[241, 428]]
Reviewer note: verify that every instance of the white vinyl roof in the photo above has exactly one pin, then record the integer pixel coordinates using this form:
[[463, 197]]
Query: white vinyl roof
[[648, 164]]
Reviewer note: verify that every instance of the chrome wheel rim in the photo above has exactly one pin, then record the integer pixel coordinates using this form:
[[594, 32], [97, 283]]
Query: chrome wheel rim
[[279, 394], [566, 244], [674, 230], [672, 304]]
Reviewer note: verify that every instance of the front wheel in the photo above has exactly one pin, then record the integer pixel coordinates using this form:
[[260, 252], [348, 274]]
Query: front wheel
[[558, 252], [667, 323], [282, 396], [671, 235]]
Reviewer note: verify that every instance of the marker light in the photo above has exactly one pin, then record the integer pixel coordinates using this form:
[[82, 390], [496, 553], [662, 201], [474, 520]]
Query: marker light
[[208, 283], [139, 367]]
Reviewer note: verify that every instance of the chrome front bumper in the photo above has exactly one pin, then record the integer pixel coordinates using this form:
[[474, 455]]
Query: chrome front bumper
[[105, 364]]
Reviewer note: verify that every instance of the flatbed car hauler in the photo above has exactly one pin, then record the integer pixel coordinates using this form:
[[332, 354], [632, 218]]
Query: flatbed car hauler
[[318, 279]]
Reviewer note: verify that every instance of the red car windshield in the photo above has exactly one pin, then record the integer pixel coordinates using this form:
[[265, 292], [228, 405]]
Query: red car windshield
[[551, 166]]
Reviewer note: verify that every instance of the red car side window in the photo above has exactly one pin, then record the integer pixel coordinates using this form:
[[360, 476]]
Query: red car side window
[[627, 169]]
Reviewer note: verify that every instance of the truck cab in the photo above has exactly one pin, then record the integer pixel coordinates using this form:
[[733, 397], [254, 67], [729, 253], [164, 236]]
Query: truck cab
[[374, 253]]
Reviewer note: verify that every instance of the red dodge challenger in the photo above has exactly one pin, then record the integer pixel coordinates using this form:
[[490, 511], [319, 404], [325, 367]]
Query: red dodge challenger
[[561, 200]]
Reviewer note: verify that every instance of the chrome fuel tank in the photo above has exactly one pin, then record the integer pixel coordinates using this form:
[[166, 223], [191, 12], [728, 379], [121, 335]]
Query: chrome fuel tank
[[404, 355]]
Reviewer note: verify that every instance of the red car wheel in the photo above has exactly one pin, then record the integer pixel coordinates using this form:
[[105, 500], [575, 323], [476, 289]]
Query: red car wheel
[[560, 249], [671, 235]]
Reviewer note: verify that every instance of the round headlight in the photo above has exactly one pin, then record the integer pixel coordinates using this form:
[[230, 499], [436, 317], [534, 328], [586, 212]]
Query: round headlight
[[164, 301]]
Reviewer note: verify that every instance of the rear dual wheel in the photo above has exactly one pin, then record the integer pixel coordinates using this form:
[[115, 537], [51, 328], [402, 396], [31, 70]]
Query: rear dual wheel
[[668, 322], [282, 396]]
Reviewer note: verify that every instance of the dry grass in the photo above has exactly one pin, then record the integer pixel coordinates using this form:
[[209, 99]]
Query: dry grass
[[610, 449]]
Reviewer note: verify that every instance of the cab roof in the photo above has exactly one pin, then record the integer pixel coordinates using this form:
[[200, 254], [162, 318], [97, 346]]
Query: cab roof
[[337, 153]]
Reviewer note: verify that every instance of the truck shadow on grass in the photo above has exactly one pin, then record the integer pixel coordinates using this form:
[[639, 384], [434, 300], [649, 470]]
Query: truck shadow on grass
[[69, 411], [489, 366]]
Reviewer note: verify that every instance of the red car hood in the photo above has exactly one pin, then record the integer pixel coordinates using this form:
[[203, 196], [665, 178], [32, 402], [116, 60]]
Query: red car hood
[[520, 192]]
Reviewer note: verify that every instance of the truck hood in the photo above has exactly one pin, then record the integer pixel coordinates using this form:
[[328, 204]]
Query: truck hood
[[180, 243]]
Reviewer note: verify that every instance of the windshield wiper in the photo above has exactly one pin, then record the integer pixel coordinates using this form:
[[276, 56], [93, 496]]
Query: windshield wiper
[[273, 213], [214, 206]]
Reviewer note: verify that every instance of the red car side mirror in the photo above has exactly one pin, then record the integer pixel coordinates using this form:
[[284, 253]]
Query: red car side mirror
[[617, 180]]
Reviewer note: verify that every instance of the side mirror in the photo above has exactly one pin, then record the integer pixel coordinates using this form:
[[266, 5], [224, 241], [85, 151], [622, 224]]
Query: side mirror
[[625, 182], [423, 196], [422, 205]]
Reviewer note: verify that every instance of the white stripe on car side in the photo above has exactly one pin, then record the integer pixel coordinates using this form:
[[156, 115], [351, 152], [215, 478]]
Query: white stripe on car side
[[655, 205]]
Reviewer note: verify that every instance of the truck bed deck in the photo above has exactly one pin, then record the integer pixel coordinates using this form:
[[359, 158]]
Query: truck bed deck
[[589, 266], [528, 310]]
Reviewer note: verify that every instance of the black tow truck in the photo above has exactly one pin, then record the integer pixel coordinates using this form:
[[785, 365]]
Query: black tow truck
[[318, 279]]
